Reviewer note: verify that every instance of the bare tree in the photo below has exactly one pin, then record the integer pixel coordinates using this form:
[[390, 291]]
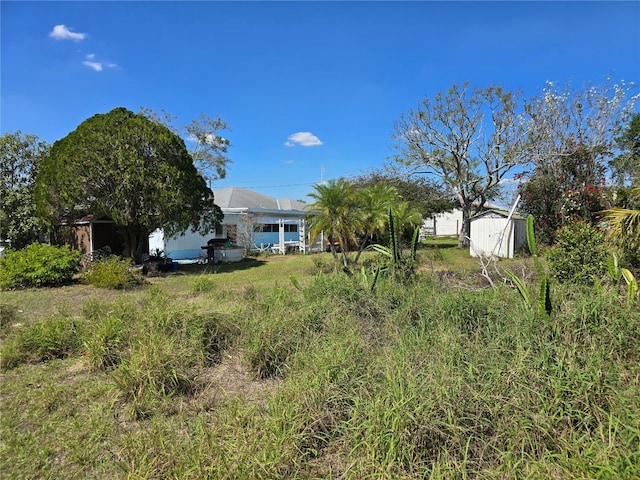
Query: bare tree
[[205, 144], [468, 138]]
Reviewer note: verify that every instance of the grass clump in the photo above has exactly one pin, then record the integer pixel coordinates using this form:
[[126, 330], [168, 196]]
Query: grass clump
[[55, 337], [112, 272]]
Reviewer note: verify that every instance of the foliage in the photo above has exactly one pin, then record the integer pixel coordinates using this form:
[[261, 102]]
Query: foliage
[[571, 137], [38, 265], [565, 192], [333, 213], [468, 138], [580, 254], [398, 264], [421, 193], [20, 156], [626, 166], [373, 202], [623, 228], [112, 272], [618, 273], [122, 166]]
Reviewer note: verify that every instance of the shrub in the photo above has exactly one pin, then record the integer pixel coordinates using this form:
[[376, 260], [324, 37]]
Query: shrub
[[112, 272], [38, 265], [580, 254]]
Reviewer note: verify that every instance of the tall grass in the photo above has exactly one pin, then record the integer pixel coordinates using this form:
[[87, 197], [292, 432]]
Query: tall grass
[[414, 381]]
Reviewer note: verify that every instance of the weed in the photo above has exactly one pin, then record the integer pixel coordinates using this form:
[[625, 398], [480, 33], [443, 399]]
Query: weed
[[112, 272]]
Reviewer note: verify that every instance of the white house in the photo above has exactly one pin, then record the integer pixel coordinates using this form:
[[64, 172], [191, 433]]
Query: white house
[[251, 221], [446, 224], [493, 233]]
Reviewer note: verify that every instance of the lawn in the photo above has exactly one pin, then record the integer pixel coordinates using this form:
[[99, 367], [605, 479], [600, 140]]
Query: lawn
[[279, 367]]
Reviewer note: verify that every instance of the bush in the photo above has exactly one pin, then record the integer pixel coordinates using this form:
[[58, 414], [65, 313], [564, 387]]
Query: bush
[[112, 272], [580, 254], [38, 265]]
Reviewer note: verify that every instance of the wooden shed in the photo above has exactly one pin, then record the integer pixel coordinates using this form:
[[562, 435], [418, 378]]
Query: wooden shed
[[494, 233], [88, 235]]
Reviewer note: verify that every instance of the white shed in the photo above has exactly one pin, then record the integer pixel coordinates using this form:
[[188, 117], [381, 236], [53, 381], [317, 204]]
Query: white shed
[[492, 233]]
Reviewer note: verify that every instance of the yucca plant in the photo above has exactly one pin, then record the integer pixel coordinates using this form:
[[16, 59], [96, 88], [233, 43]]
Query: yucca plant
[[543, 302]]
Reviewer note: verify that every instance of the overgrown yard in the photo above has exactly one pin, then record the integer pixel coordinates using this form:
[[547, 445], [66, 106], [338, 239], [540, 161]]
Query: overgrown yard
[[244, 373]]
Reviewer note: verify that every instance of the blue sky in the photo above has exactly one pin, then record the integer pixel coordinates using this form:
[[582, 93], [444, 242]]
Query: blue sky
[[304, 86]]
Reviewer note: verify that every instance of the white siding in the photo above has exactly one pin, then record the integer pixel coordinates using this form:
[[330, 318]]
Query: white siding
[[491, 236], [447, 223]]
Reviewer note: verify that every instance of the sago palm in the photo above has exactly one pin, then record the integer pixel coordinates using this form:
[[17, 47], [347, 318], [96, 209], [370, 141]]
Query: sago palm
[[624, 223], [373, 203], [332, 212]]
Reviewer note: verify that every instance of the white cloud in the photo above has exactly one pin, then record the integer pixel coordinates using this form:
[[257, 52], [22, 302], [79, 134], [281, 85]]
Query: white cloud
[[97, 66], [305, 139], [61, 32]]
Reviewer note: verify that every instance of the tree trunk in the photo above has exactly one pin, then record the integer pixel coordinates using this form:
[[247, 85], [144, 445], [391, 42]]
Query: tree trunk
[[135, 241], [465, 231]]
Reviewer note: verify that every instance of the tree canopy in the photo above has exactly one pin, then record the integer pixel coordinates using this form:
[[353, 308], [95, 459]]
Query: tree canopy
[[572, 134], [20, 156], [125, 167], [626, 166]]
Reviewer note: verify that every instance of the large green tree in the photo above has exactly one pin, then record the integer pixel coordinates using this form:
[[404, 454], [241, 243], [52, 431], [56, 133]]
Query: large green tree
[[468, 138], [20, 156], [422, 193], [123, 166]]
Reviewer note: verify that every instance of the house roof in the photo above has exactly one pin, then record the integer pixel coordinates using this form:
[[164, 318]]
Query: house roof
[[236, 197]]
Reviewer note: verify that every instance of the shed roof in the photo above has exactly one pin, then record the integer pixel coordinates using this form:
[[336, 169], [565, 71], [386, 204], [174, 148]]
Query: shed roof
[[497, 211], [236, 197]]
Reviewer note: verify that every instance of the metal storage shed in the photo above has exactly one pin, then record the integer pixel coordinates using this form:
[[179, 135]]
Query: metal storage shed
[[493, 233]]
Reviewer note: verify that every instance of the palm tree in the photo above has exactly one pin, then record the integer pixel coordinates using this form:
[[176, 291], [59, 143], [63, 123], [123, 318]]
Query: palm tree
[[624, 223], [406, 219], [373, 202], [333, 213]]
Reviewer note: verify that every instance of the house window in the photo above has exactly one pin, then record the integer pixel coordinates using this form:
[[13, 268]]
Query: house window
[[274, 227]]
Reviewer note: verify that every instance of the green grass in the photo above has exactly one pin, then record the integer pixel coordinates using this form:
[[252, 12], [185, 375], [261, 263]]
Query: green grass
[[235, 372]]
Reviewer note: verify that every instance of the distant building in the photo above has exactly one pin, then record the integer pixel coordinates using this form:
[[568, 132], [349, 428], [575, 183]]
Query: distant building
[[252, 221]]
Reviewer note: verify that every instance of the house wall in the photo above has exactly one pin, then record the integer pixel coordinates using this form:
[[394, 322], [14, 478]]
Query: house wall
[[446, 224], [240, 228], [187, 246]]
